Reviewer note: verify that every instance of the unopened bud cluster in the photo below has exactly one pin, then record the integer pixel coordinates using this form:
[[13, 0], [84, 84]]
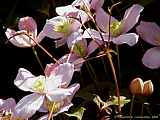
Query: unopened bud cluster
[[138, 87]]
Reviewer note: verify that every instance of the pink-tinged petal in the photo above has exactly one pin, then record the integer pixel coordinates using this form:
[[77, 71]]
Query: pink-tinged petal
[[24, 79], [61, 94], [81, 3], [60, 42], [75, 36], [102, 19], [93, 45], [20, 40], [40, 36], [48, 28], [28, 24], [28, 105], [150, 32], [130, 39], [95, 35], [151, 58], [91, 33], [131, 17], [75, 26], [73, 89], [96, 4], [50, 68], [68, 10], [7, 104], [71, 11], [66, 70]]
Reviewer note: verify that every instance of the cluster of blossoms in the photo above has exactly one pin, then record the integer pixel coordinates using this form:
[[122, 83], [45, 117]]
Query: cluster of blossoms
[[51, 91]]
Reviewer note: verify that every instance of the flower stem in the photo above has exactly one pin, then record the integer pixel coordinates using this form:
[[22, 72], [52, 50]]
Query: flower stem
[[36, 55], [142, 109], [36, 44], [115, 79], [131, 108], [91, 72], [51, 112]]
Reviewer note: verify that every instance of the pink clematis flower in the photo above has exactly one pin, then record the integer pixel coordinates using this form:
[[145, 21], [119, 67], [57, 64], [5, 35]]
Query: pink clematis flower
[[150, 32], [88, 4], [7, 105], [72, 12], [61, 28], [26, 25], [118, 29], [46, 89], [78, 54], [12, 112]]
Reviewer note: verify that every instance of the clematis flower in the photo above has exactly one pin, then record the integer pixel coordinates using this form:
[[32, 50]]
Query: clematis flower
[[72, 12], [61, 28], [81, 50], [7, 105], [26, 25], [150, 32], [88, 4], [118, 29], [9, 109], [53, 88]]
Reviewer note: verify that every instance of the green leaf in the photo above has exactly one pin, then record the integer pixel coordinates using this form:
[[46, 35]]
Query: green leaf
[[77, 112]]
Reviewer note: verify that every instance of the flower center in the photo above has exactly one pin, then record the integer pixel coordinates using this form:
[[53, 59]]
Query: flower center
[[52, 106], [39, 85], [63, 26], [115, 28], [80, 49]]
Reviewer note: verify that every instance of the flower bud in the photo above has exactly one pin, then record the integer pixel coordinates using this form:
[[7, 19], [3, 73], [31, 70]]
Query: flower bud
[[136, 86], [148, 88]]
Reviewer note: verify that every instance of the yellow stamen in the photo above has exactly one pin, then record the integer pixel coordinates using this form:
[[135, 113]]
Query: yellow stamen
[[39, 85], [115, 28], [63, 26], [52, 106]]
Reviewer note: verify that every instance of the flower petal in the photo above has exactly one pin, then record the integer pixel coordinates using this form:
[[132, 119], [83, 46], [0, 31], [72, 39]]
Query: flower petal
[[22, 79], [19, 39], [151, 58], [91, 33], [96, 4], [93, 45], [130, 39], [68, 10], [103, 24], [40, 36], [28, 24], [48, 28], [66, 70], [53, 82], [28, 105], [60, 94], [150, 32], [131, 17], [7, 104]]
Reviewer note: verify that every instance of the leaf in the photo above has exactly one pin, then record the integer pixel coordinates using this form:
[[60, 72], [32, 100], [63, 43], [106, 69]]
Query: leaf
[[77, 112]]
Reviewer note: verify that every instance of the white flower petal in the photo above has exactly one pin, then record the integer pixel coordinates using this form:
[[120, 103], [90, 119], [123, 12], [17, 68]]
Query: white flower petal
[[28, 105], [130, 39]]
